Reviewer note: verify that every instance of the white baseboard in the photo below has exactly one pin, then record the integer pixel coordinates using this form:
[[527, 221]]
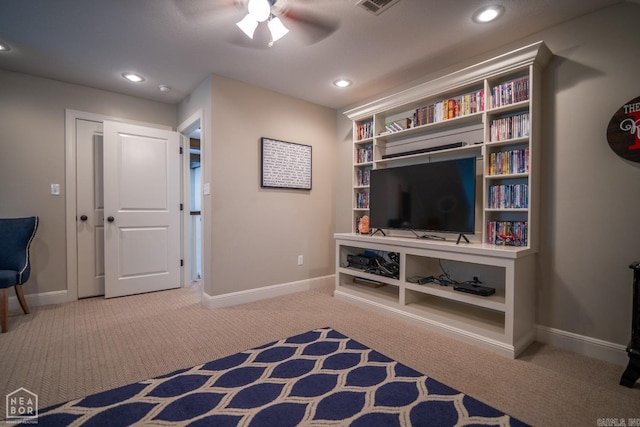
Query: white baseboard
[[36, 300], [587, 346], [251, 295]]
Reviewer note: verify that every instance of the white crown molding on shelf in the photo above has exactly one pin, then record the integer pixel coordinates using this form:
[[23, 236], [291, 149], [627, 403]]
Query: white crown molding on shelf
[[534, 54]]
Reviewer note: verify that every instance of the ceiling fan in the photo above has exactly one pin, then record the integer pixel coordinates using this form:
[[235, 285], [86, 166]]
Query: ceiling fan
[[260, 11], [264, 22]]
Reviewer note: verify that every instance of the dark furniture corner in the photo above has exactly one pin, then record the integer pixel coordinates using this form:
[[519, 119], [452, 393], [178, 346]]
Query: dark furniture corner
[[16, 235], [632, 373]]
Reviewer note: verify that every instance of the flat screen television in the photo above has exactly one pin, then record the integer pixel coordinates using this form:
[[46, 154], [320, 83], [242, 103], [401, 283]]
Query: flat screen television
[[434, 197]]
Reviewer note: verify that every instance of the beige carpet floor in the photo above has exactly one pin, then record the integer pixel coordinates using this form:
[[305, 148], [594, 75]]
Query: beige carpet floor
[[67, 351]]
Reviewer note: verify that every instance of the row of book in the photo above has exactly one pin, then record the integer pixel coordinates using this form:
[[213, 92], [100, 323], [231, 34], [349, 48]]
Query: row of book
[[511, 196], [364, 130], [463, 105], [364, 154], [509, 127], [363, 177], [510, 92], [362, 199], [509, 162], [508, 233]]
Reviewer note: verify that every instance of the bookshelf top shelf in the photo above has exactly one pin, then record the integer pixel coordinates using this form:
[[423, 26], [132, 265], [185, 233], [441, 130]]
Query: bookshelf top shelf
[[453, 122]]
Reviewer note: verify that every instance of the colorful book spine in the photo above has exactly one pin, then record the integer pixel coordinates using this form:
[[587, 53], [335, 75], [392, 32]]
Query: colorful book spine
[[508, 233], [362, 199], [363, 177], [510, 92], [364, 154], [509, 162], [450, 108], [512, 196], [364, 130], [510, 127]]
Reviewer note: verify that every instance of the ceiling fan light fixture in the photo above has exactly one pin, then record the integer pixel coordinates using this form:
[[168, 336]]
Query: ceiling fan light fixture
[[277, 29], [248, 25], [488, 14], [260, 10]]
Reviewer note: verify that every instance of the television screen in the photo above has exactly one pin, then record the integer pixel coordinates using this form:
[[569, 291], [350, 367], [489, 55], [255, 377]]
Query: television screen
[[438, 197]]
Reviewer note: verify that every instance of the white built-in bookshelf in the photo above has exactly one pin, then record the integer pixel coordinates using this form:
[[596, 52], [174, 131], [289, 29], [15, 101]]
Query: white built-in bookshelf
[[490, 111]]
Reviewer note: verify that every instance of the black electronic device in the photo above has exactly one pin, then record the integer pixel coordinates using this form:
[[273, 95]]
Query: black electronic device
[[474, 288], [436, 197], [359, 261], [425, 150]]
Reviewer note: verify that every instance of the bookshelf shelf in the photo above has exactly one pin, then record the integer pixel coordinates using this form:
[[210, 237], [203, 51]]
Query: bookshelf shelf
[[431, 127], [502, 322], [507, 176], [490, 111], [516, 106], [524, 210]]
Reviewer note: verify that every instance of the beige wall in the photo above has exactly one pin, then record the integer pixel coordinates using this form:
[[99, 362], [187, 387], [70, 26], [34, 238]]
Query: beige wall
[[32, 157], [257, 234], [590, 205], [590, 227]]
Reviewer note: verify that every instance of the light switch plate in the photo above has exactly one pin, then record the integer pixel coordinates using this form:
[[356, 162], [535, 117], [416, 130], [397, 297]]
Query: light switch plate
[[55, 189]]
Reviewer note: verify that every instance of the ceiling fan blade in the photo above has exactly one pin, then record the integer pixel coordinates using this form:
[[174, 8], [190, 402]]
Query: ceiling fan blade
[[206, 9], [261, 38], [312, 26]]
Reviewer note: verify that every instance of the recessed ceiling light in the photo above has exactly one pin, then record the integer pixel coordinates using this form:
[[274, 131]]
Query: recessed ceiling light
[[132, 77], [4, 47], [342, 83], [164, 88], [488, 14]]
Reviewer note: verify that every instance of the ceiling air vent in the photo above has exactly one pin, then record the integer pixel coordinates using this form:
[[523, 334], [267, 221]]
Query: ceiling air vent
[[376, 6]]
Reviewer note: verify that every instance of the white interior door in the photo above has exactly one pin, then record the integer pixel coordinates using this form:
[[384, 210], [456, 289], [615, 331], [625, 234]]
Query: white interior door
[[90, 205], [141, 209]]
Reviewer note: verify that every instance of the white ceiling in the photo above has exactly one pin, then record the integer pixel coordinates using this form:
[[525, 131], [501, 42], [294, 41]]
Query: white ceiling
[[180, 42]]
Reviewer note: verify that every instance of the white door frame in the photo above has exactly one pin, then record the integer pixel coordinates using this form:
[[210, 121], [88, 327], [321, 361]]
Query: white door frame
[[184, 129], [70, 185]]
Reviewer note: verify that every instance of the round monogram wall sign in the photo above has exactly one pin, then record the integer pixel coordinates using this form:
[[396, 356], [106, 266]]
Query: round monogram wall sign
[[623, 132]]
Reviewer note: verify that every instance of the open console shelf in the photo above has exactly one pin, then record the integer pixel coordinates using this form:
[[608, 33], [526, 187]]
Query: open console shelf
[[503, 322]]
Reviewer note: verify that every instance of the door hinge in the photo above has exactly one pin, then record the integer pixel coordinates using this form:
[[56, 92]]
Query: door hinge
[[181, 207], [181, 263], [180, 150]]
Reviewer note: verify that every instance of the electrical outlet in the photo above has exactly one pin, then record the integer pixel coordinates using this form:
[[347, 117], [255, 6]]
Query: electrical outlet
[[300, 259]]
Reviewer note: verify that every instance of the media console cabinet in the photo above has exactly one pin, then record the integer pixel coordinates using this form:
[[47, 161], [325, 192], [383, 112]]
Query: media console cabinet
[[491, 111], [503, 322]]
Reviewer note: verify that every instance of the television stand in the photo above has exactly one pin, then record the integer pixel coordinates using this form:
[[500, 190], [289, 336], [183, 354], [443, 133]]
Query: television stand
[[503, 322], [461, 236], [428, 236]]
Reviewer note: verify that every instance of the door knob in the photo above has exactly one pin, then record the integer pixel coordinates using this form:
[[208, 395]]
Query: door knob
[[83, 218], [110, 219]]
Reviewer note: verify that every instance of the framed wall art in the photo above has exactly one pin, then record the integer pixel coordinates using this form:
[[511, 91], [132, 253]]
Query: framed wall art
[[285, 165]]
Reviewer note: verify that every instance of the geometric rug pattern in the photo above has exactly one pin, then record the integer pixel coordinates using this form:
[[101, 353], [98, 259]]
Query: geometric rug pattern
[[319, 378]]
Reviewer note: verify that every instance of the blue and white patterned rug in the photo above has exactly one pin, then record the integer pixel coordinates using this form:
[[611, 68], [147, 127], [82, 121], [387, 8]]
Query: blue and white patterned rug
[[319, 378]]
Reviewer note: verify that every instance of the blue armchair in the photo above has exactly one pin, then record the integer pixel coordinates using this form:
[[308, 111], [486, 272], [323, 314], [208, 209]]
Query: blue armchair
[[16, 235]]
